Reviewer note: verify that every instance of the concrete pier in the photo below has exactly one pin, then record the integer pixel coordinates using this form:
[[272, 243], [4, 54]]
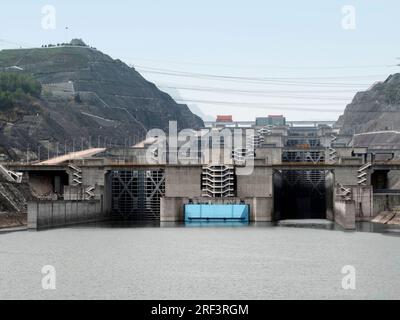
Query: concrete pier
[[345, 214]]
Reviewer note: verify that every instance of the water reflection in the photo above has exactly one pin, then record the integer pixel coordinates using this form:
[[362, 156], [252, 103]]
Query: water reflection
[[368, 227], [216, 224], [378, 228]]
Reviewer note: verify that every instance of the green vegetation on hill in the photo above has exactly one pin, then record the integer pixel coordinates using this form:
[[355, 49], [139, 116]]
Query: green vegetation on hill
[[14, 87]]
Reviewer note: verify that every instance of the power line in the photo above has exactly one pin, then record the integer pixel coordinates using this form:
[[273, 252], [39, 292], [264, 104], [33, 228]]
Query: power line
[[287, 67], [271, 81], [14, 43], [322, 91], [262, 106], [374, 76], [257, 93]]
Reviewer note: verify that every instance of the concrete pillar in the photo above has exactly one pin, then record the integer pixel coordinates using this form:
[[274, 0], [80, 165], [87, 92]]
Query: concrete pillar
[[261, 209], [32, 215], [171, 210], [345, 214]]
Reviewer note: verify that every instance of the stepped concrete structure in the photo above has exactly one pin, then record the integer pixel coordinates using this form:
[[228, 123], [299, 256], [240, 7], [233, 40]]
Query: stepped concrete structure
[[292, 172]]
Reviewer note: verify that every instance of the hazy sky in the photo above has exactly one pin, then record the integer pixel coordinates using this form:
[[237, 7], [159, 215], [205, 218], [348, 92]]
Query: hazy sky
[[246, 58]]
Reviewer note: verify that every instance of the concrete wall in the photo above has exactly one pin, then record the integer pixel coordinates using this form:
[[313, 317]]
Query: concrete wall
[[385, 202], [92, 176], [274, 139], [183, 182], [363, 197], [344, 151], [330, 195], [347, 176], [52, 214], [79, 192], [171, 209], [345, 214], [259, 184], [261, 209], [394, 180], [269, 155]]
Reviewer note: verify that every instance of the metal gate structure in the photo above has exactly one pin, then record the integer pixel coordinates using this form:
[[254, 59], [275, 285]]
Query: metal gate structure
[[301, 194], [135, 194]]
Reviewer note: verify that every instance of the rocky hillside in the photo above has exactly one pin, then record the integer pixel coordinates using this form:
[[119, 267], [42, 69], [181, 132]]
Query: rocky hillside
[[374, 110], [14, 197], [13, 203], [87, 99]]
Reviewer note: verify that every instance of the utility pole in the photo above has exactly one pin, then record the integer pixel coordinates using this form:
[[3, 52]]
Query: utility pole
[[125, 149], [66, 34], [27, 154]]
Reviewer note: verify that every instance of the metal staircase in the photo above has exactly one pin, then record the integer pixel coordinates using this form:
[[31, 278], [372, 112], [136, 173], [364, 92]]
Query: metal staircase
[[10, 176], [332, 152], [76, 175], [264, 131], [345, 193], [240, 156], [362, 174], [253, 142], [89, 193], [218, 181]]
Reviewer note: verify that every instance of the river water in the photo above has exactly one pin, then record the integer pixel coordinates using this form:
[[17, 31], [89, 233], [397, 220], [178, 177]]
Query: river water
[[208, 262]]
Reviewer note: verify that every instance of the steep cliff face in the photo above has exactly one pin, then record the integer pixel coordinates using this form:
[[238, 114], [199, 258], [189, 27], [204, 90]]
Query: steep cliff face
[[377, 109], [87, 99]]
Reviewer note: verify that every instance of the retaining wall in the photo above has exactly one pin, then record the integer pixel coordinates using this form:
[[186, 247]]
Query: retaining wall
[[54, 214]]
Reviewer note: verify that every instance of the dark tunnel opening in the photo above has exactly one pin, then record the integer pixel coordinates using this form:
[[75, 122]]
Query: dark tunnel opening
[[300, 195]]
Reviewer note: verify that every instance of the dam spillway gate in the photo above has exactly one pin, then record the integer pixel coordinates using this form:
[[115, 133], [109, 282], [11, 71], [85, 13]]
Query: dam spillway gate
[[136, 194], [303, 194]]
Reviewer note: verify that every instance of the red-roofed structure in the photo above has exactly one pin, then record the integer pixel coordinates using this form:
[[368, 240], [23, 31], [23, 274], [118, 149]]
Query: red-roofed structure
[[226, 118]]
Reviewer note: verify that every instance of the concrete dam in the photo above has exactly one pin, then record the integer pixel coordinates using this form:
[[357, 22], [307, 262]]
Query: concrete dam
[[293, 172]]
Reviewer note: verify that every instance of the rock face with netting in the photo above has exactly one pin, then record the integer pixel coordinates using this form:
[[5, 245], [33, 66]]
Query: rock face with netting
[[377, 109], [377, 140]]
